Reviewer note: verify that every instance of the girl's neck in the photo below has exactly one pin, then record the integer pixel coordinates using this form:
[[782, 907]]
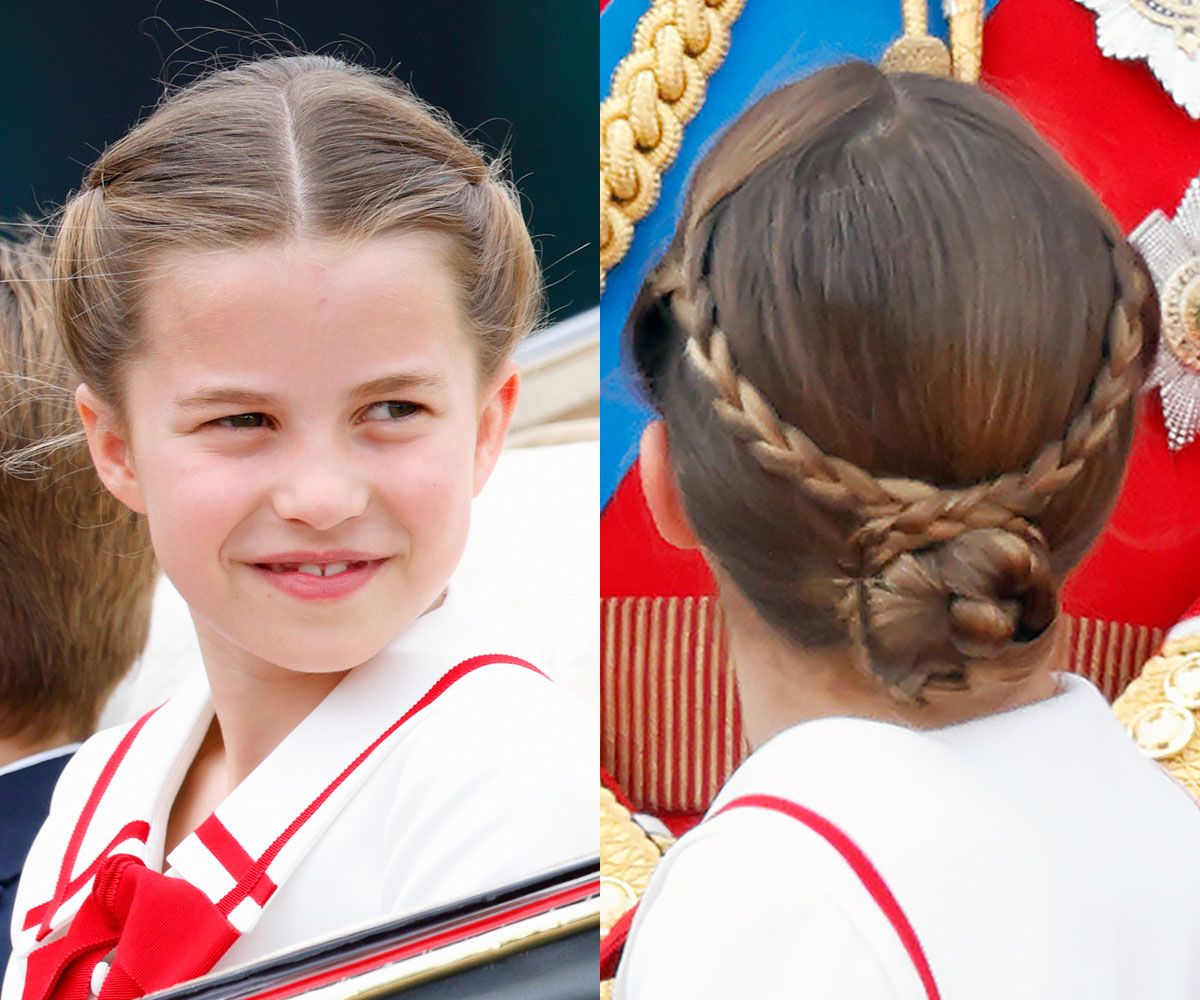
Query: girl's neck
[[781, 686], [256, 704]]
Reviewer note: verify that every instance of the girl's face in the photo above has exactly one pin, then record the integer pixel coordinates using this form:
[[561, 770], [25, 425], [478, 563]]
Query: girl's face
[[305, 431]]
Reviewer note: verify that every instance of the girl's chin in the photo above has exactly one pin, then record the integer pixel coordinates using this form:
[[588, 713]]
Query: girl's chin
[[314, 660], [308, 652]]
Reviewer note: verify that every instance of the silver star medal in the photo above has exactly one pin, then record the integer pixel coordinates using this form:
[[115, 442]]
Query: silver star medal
[[1166, 33], [1171, 248]]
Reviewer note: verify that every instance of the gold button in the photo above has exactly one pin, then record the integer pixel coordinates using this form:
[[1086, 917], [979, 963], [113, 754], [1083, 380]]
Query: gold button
[[1162, 730], [1182, 684]]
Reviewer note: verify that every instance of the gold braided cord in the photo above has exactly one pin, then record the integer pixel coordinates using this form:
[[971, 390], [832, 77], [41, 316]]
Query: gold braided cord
[[900, 515], [965, 18], [915, 16], [916, 50], [656, 90]]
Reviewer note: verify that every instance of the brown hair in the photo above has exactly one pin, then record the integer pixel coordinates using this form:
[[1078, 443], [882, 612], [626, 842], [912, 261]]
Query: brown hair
[[276, 149], [897, 345], [76, 568]]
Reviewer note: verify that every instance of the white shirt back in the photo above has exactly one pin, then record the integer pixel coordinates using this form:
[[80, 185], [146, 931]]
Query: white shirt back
[[1035, 853]]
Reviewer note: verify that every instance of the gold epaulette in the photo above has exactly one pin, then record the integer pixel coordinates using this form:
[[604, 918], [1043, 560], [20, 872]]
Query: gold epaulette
[[629, 853], [1159, 710]]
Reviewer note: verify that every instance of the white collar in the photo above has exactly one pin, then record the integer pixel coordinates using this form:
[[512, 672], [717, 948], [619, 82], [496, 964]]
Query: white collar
[[331, 740]]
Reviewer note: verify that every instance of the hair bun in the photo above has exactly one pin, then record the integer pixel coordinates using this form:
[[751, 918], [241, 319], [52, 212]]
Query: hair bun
[[927, 614]]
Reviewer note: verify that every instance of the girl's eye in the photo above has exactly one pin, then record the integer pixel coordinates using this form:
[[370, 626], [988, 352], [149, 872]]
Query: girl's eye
[[390, 410], [242, 421]]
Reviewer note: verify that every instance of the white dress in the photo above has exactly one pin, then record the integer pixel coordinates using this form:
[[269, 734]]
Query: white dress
[[1030, 854], [489, 780]]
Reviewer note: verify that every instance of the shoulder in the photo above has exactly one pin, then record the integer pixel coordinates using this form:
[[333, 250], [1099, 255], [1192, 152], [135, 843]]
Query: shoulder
[[497, 782], [509, 732], [921, 810], [85, 767], [514, 736], [79, 778], [727, 917], [804, 870], [71, 793], [513, 709]]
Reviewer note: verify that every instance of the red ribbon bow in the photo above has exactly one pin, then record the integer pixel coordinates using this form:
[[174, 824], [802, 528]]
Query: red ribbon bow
[[153, 930]]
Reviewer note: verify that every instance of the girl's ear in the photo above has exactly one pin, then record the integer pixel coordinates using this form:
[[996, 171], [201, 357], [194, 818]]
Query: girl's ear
[[495, 414], [661, 490], [108, 442]]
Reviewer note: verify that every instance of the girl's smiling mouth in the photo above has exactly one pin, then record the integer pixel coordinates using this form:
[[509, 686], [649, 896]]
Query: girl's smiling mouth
[[313, 576]]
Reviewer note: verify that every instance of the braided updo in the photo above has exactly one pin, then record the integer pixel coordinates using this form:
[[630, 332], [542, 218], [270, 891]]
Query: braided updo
[[898, 346]]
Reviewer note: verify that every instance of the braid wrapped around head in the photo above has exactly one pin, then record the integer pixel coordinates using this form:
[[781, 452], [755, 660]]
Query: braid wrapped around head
[[898, 268], [940, 576]]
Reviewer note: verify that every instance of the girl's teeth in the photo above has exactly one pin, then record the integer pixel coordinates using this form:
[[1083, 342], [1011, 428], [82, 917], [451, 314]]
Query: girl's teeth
[[312, 569]]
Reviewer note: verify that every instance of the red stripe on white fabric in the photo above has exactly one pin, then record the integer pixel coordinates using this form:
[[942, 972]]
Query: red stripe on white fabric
[[252, 876], [233, 857], [861, 865], [61, 889], [137, 830]]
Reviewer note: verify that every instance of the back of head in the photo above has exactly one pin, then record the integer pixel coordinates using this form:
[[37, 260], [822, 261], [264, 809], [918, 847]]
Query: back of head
[[277, 150], [897, 345], [76, 569]]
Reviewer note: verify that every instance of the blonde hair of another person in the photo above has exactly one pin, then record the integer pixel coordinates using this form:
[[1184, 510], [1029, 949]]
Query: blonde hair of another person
[[76, 568]]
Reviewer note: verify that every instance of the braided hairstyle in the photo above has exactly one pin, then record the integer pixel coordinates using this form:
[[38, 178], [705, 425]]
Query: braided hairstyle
[[898, 345]]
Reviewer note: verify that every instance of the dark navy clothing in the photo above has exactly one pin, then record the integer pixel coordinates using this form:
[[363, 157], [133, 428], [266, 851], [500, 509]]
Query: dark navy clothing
[[24, 805]]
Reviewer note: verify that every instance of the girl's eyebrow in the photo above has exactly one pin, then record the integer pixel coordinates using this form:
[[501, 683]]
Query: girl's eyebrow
[[238, 396], [402, 382]]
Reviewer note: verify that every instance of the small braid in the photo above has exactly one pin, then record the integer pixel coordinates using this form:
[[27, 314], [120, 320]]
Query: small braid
[[938, 577], [901, 515]]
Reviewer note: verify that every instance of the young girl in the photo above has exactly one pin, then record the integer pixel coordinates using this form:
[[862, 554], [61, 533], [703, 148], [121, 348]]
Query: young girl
[[896, 346], [291, 295]]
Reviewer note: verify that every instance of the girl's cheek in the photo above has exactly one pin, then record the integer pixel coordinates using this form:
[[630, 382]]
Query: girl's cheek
[[438, 464], [199, 488]]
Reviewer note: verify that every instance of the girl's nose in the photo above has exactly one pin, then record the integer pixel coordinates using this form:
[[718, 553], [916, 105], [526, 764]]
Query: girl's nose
[[322, 491]]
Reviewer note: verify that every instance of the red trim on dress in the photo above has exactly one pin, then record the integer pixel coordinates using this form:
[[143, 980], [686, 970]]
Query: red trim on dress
[[63, 890], [867, 873], [136, 830], [613, 945], [250, 878], [234, 858], [250, 874]]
